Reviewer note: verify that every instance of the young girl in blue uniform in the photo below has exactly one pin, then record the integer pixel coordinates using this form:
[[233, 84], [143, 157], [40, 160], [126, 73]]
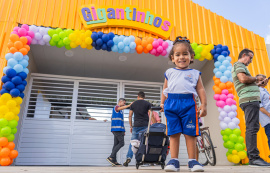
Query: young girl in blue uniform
[[181, 86]]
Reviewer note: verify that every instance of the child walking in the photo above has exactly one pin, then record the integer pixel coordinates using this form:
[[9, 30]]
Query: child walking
[[181, 86]]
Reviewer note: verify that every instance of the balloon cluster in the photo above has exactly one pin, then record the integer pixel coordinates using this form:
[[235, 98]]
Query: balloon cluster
[[60, 38], [73, 39], [220, 50], [234, 142], [18, 44], [123, 43], [7, 152], [202, 51], [103, 41], [144, 44], [160, 47], [24, 31], [219, 86], [41, 36], [223, 68]]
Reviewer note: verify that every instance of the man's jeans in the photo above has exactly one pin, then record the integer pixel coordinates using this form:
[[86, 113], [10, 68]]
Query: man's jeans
[[251, 110], [267, 132], [135, 135], [118, 143]]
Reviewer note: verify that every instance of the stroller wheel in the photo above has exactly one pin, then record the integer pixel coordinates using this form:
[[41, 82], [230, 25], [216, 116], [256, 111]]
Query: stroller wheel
[[137, 166]]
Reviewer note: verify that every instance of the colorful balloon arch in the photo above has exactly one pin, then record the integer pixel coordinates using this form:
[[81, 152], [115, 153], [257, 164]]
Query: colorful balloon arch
[[16, 72]]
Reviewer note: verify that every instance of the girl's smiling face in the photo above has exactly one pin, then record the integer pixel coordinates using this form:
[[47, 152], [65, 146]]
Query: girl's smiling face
[[181, 56]]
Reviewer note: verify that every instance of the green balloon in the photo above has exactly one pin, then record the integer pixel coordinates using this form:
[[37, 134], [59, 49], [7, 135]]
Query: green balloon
[[69, 31], [58, 30], [233, 137], [240, 139], [62, 35], [3, 122], [222, 132], [51, 32], [225, 138], [237, 131], [228, 131], [244, 145], [225, 145], [194, 46], [14, 130], [5, 131], [197, 56], [55, 37], [230, 144], [199, 49], [66, 41], [68, 47], [12, 123], [10, 138], [238, 147], [52, 43], [230, 151], [60, 44]]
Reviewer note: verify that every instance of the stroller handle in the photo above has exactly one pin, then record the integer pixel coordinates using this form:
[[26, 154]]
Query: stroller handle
[[156, 108]]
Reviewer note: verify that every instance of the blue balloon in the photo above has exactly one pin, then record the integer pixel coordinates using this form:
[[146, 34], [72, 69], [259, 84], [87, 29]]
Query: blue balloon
[[224, 79], [215, 70], [23, 75], [218, 74], [26, 70], [22, 95], [224, 53], [9, 56], [231, 79], [15, 92], [132, 50], [104, 46], [20, 87], [111, 35], [18, 56], [219, 46], [126, 49], [24, 63], [94, 44], [229, 68], [26, 57], [110, 43], [126, 41], [99, 42], [116, 40], [218, 50], [16, 80], [100, 34], [216, 56], [224, 48], [226, 63], [18, 68], [3, 91], [5, 79], [132, 45], [5, 69], [229, 52], [120, 51], [121, 45], [9, 85], [229, 58], [217, 64], [121, 38], [131, 38], [11, 73], [222, 68], [105, 38], [94, 36], [221, 58], [24, 82], [97, 47], [228, 74], [115, 48], [109, 49], [213, 52], [12, 62], [215, 47]]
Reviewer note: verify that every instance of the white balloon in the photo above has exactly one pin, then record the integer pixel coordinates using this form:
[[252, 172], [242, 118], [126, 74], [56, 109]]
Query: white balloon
[[234, 107], [227, 120], [220, 109], [34, 41], [33, 28], [46, 38], [43, 31], [236, 121], [223, 125], [227, 108], [48, 44], [41, 42], [232, 125], [223, 114], [38, 36], [220, 118], [231, 114]]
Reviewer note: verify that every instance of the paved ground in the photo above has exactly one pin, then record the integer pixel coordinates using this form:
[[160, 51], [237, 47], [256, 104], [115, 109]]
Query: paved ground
[[156, 169]]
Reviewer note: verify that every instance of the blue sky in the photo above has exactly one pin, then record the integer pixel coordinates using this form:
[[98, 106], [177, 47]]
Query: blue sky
[[251, 14]]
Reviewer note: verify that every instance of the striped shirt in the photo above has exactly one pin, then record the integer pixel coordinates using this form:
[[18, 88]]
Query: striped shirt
[[245, 92]]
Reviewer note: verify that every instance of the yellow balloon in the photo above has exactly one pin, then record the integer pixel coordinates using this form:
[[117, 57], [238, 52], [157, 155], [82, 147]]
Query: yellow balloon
[[242, 154], [15, 110], [72, 37], [209, 56], [88, 40], [89, 47], [229, 157], [211, 46], [235, 159], [78, 41], [5, 97], [4, 109], [2, 116], [73, 45], [201, 58], [17, 118], [18, 100], [2, 102], [234, 152], [11, 104], [88, 33], [9, 116]]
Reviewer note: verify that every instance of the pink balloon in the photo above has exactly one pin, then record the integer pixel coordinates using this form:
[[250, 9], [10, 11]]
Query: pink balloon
[[216, 97], [223, 97], [159, 49], [225, 91], [26, 27], [153, 51], [157, 54], [220, 103], [16, 28], [29, 40], [155, 44], [22, 32], [31, 34], [230, 96], [165, 45], [160, 41], [164, 53], [14, 32], [229, 101], [234, 102]]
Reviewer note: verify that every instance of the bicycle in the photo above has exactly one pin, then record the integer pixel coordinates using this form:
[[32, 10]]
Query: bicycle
[[205, 148]]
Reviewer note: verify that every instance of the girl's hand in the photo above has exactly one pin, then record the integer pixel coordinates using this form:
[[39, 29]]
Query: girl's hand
[[162, 106], [202, 111]]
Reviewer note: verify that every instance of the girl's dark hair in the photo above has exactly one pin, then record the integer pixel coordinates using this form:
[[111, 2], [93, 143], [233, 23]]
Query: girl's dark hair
[[187, 44]]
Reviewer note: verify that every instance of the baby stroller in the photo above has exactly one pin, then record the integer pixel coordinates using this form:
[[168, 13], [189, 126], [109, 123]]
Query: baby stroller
[[153, 144]]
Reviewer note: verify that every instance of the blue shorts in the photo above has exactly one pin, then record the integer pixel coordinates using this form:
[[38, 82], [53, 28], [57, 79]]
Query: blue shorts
[[181, 113]]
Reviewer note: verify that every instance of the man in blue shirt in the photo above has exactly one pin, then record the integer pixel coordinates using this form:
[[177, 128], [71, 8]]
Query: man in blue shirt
[[264, 115], [118, 130]]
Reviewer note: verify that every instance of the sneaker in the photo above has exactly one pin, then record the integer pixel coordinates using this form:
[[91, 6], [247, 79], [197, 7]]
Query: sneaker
[[259, 163], [172, 166], [117, 164], [127, 162], [110, 160], [195, 166]]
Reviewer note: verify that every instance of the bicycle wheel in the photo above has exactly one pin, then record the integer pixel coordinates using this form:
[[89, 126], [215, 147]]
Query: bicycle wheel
[[202, 159], [209, 149]]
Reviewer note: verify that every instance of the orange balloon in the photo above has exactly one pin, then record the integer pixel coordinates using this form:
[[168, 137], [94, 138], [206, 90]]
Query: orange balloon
[[13, 154], [149, 47], [138, 41], [214, 78], [10, 44], [18, 45], [222, 86], [27, 47], [14, 37], [145, 50], [10, 145], [217, 91], [5, 161], [230, 90], [229, 84], [214, 87], [23, 51], [4, 152], [144, 43], [13, 50], [150, 40], [11, 161], [3, 141], [139, 48], [217, 82], [23, 40]]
